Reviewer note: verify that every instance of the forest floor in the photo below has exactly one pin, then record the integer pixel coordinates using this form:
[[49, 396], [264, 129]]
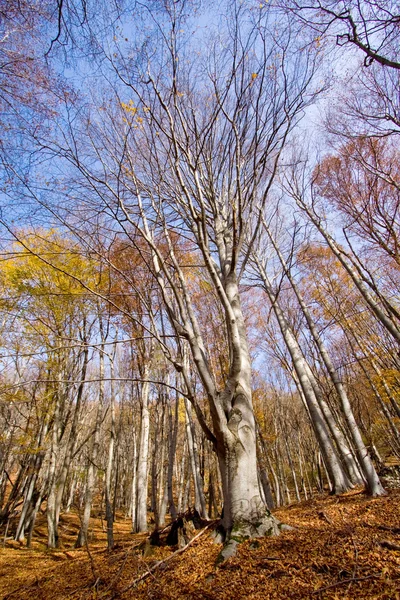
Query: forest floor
[[340, 547]]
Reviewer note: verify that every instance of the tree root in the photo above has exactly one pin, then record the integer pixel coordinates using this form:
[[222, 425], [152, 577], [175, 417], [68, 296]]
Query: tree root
[[248, 530]]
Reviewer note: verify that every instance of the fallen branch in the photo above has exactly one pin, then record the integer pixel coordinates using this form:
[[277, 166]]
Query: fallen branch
[[389, 545], [344, 581], [162, 562], [382, 527], [120, 570], [391, 529], [324, 516]]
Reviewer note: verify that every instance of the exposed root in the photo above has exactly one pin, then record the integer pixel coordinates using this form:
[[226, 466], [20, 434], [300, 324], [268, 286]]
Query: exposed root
[[243, 530]]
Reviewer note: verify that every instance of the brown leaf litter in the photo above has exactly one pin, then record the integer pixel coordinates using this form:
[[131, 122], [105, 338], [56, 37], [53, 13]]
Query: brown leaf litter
[[341, 547]]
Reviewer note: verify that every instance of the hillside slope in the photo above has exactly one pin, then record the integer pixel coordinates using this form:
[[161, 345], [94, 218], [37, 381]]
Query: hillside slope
[[340, 547]]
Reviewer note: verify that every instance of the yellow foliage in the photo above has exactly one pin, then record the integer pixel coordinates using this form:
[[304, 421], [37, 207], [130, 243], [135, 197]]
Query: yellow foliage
[[47, 283], [130, 108], [181, 410]]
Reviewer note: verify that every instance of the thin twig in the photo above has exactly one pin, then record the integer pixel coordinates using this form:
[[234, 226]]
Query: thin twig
[[119, 572], [161, 562], [355, 564]]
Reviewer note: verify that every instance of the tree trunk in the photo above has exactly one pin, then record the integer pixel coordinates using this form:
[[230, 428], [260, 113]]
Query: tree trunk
[[110, 463], [27, 507], [142, 465], [52, 526], [200, 501], [373, 484], [92, 468], [182, 480], [384, 311], [73, 434], [244, 512], [162, 481], [143, 453], [172, 439]]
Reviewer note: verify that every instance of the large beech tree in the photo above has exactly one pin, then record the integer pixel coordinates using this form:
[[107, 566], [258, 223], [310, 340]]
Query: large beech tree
[[192, 155]]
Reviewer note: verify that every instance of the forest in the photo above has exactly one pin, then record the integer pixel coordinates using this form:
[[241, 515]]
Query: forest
[[199, 310]]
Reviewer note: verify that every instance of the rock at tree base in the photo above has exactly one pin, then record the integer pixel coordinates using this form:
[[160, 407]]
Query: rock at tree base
[[245, 530], [229, 550]]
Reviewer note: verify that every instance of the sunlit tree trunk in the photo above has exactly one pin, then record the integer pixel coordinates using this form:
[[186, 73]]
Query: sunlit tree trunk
[[109, 466], [374, 487], [52, 525], [340, 480], [91, 476], [73, 434], [200, 501], [182, 479], [383, 310], [143, 453], [29, 495], [172, 440]]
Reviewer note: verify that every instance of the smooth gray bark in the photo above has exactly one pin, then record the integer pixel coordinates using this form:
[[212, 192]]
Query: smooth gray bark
[[143, 454], [51, 512], [373, 485], [109, 467], [384, 316], [26, 511], [91, 477], [172, 440], [200, 501], [340, 480]]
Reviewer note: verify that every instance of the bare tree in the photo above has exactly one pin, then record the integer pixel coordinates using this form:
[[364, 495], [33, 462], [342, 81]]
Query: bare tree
[[370, 26], [186, 166]]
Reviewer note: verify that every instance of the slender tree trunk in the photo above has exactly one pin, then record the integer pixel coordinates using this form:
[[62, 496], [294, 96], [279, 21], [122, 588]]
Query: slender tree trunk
[[182, 480], [341, 482], [52, 525], [383, 314], [92, 467], [73, 434], [110, 463], [301, 469], [395, 432], [143, 453], [27, 505], [262, 453], [292, 469], [34, 513], [71, 494], [374, 486], [266, 487], [134, 485], [200, 501], [162, 482], [172, 439]]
